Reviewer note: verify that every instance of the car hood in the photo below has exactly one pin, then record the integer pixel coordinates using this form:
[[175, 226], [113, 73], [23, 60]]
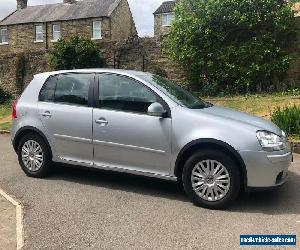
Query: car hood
[[231, 114]]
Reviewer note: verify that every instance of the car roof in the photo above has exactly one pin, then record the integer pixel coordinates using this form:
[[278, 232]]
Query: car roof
[[132, 73]]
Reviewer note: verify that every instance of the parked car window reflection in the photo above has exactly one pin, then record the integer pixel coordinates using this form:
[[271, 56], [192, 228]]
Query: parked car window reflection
[[73, 89], [175, 92], [124, 94]]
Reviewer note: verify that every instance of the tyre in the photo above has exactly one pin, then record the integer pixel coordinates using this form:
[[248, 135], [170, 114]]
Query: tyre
[[34, 156], [211, 179]]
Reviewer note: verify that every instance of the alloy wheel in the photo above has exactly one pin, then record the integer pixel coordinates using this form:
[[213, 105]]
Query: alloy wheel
[[32, 155], [210, 180]]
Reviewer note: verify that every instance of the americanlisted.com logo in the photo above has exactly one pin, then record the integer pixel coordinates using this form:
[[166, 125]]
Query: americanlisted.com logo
[[268, 240]]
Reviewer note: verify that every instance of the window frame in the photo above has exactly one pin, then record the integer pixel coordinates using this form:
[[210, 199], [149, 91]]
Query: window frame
[[93, 29], [90, 94], [1, 36], [97, 94], [54, 32], [169, 21], [35, 33]]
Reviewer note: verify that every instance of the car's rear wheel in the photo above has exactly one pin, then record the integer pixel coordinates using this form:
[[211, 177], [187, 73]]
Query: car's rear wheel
[[34, 156], [211, 179]]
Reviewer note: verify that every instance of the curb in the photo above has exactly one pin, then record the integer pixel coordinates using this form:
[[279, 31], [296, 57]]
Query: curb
[[19, 219], [4, 132], [296, 147]]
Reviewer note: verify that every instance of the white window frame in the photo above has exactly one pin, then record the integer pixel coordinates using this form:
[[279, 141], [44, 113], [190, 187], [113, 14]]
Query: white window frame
[[35, 33], [56, 32], [1, 36], [168, 18], [96, 29]]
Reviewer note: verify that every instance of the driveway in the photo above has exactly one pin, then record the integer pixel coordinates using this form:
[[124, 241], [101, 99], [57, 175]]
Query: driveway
[[79, 209]]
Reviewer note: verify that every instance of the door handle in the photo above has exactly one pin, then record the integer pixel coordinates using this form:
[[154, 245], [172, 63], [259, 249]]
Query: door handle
[[101, 121], [47, 114]]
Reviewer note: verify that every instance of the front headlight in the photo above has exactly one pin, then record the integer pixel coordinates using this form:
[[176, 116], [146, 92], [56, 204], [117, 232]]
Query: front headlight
[[270, 141]]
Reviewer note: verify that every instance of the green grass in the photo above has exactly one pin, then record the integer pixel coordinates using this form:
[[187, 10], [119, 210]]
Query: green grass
[[260, 105], [288, 119], [5, 111], [5, 126], [294, 138]]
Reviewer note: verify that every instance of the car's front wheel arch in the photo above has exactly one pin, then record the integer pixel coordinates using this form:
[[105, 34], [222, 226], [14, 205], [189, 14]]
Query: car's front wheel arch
[[211, 144]]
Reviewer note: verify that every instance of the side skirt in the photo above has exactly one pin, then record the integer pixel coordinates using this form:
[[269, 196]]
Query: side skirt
[[118, 169]]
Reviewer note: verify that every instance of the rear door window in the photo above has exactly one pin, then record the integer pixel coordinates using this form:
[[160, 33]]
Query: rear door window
[[73, 89]]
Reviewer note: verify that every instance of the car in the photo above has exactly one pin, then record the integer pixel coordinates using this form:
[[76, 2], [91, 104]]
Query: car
[[140, 123]]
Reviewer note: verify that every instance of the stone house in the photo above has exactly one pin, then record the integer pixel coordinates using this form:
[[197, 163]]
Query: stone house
[[36, 28], [163, 18]]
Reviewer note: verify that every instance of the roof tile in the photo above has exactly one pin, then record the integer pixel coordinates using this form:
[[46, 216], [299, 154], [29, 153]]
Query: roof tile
[[166, 7], [61, 12]]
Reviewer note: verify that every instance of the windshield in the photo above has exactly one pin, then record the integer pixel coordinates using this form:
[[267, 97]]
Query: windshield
[[175, 92]]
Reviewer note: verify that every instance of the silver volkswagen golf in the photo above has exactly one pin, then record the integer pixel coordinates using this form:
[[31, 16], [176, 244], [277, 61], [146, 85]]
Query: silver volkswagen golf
[[139, 123]]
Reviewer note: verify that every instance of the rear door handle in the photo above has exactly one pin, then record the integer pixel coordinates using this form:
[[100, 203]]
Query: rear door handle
[[102, 121], [47, 114]]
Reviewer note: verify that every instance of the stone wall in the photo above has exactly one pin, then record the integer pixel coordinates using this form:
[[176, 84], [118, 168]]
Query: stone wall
[[145, 54], [122, 23], [10, 78], [142, 54], [159, 29]]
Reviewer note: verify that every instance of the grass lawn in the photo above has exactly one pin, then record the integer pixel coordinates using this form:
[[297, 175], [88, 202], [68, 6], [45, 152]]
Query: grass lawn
[[259, 105], [5, 126], [5, 111]]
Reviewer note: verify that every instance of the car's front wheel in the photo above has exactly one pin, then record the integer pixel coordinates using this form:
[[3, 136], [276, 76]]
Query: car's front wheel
[[211, 179], [34, 156]]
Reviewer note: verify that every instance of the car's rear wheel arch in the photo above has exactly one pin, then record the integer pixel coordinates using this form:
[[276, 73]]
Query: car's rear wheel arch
[[29, 130], [211, 144]]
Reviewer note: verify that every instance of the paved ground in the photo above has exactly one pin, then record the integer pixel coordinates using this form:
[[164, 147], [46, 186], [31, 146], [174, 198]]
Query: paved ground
[[76, 209], [7, 225]]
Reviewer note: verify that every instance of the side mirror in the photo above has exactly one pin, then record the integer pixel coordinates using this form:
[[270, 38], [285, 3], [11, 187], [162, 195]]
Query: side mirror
[[156, 109]]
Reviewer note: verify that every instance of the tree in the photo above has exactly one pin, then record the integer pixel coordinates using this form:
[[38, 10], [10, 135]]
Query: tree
[[233, 45], [75, 53]]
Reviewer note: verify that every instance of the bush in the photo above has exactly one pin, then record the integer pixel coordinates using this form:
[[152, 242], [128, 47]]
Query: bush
[[5, 96], [288, 119], [75, 53], [243, 46]]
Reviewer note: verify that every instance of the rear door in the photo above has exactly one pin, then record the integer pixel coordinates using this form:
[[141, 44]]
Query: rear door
[[66, 112]]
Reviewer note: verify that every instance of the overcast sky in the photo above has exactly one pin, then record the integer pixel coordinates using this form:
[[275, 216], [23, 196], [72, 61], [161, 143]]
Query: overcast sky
[[142, 12]]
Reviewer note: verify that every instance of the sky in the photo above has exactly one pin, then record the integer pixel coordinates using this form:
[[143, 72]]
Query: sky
[[142, 12]]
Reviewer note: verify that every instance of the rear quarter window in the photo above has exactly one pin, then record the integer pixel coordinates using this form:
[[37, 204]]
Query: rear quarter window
[[48, 90]]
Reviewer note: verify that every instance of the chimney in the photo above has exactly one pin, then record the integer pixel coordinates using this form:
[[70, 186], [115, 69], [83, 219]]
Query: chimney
[[69, 1], [21, 4]]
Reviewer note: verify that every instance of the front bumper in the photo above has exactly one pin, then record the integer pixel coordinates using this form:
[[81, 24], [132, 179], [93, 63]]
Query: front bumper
[[266, 169]]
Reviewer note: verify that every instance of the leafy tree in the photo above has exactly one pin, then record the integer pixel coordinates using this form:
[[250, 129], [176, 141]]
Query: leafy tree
[[75, 53], [233, 45]]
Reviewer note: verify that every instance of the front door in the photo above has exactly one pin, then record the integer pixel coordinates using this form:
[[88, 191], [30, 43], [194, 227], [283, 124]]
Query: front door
[[124, 136], [66, 114]]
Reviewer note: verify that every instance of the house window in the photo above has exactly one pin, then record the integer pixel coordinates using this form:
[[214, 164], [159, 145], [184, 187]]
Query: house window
[[56, 32], [97, 30], [4, 36], [39, 33], [167, 19]]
